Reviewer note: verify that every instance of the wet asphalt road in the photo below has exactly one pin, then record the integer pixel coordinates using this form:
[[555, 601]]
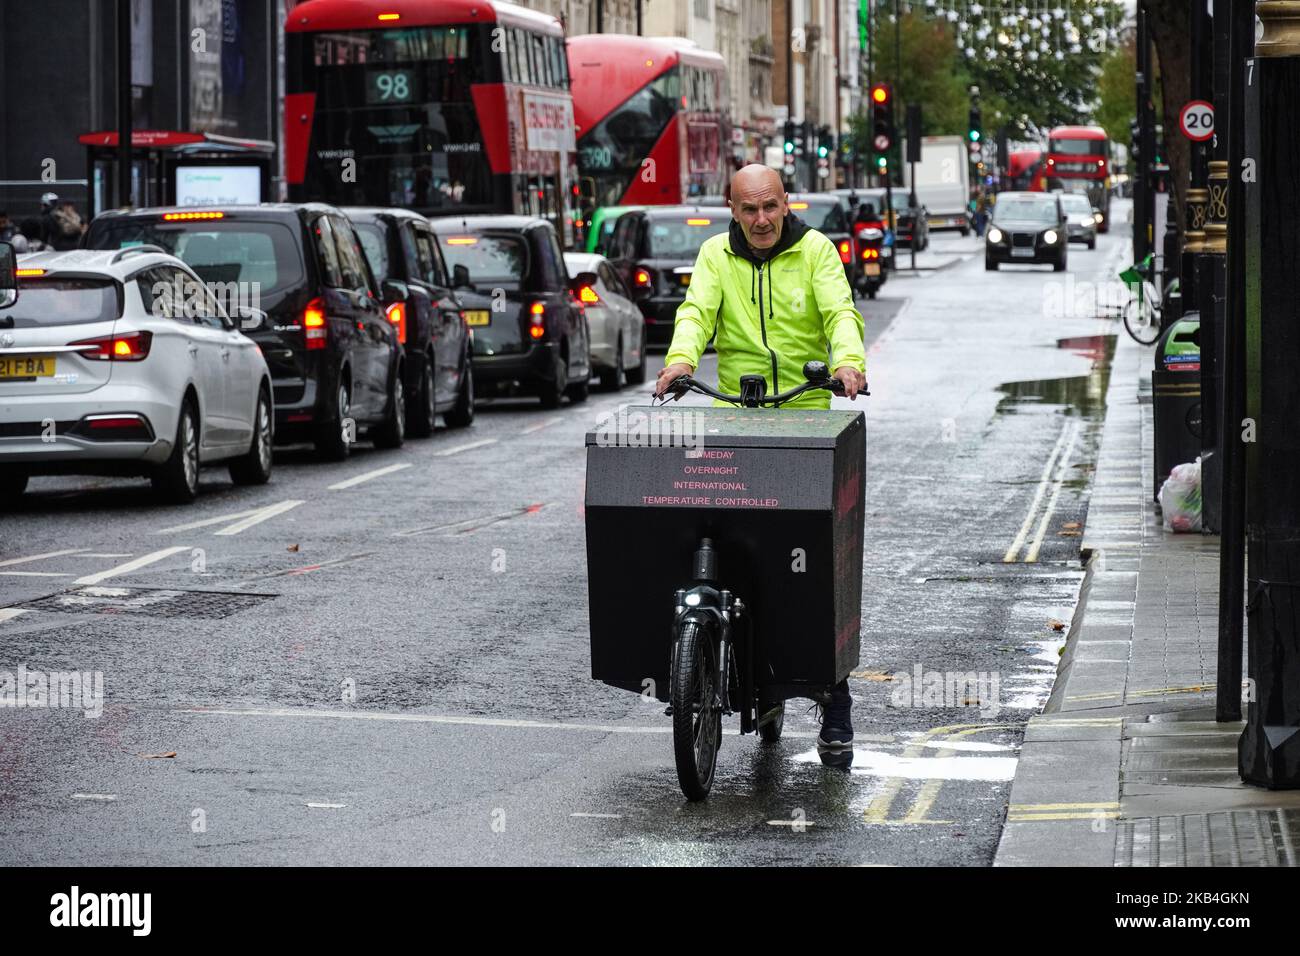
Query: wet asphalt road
[[397, 671]]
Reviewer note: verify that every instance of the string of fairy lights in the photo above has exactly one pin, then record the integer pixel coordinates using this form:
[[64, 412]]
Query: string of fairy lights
[[1024, 30]]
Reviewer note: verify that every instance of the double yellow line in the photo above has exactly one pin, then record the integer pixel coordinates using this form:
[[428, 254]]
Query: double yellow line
[[877, 811], [1060, 457]]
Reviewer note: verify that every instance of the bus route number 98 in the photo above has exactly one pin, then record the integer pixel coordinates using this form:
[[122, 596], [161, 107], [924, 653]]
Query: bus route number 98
[[390, 86]]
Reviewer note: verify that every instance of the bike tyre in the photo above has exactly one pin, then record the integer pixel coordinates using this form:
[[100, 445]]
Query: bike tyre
[[695, 680], [1142, 334]]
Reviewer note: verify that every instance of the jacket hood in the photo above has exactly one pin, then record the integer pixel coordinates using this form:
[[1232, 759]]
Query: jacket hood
[[792, 231]]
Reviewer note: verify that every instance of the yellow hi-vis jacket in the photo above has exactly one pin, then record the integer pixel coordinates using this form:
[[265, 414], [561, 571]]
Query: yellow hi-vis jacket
[[770, 316]]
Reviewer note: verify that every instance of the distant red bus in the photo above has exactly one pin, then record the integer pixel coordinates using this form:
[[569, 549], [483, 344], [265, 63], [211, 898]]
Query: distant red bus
[[1078, 160], [653, 124], [441, 106], [1024, 171]]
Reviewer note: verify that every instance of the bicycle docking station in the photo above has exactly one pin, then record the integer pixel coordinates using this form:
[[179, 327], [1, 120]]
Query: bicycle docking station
[[781, 495]]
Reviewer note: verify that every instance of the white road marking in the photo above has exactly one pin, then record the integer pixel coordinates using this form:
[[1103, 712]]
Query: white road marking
[[1031, 555], [598, 816], [367, 476], [40, 557], [460, 448], [243, 519], [9, 613], [95, 796], [481, 721], [327, 806], [34, 574], [540, 425], [1043, 480], [140, 562]]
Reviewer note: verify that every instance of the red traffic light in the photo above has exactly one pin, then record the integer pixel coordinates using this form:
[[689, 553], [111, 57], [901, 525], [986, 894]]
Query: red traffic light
[[880, 93]]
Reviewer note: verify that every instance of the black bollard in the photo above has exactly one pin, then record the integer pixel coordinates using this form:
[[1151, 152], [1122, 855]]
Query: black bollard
[[1268, 752]]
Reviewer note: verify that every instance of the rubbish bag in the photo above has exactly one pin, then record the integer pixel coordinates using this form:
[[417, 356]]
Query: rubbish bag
[[1180, 498]]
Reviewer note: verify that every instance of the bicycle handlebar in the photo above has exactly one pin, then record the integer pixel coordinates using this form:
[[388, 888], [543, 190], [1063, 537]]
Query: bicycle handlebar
[[685, 383]]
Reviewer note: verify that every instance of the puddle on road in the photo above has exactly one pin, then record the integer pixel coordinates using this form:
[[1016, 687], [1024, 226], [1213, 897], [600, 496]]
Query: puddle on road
[[1084, 394]]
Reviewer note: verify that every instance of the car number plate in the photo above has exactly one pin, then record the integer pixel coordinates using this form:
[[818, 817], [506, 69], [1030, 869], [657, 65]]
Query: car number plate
[[1023, 253], [26, 366], [478, 317], [871, 269]]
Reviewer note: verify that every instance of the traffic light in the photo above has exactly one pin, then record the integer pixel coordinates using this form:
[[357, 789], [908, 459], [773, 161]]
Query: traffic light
[[882, 117], [973, 127], [789, 137], [825, 142], [800, 138]]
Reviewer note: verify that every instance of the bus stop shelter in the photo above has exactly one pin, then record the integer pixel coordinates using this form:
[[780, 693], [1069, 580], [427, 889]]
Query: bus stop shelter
[[179, 168]]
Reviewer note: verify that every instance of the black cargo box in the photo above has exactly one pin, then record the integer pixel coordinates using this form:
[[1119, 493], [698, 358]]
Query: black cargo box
[[780, 493]]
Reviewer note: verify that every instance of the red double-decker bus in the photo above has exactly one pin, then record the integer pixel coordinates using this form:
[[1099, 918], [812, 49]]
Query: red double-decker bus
[[1024, 171], [1078, 160], [653, 122], [441, 106]]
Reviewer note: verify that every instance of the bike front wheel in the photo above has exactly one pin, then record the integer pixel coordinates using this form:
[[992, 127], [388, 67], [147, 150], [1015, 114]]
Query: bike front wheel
[[697, 714], [1141, 322]]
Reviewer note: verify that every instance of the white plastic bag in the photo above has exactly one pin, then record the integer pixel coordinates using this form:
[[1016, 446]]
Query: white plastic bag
[[1180, 498]]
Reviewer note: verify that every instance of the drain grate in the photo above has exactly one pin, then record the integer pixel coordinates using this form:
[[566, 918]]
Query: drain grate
[[147, 602], [1226, 838]]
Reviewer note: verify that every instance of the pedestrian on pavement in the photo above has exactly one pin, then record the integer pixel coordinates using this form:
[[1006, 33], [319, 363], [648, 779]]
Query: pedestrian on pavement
[[62, 223], [770, 320], [9, 233]]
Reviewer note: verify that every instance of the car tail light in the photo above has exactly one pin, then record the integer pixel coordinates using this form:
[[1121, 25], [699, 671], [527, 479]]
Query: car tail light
[[313, 324], [537, 320], [397, 315], [642, 279], [587, 295], [128, 347], [870, 254], [846, 252]]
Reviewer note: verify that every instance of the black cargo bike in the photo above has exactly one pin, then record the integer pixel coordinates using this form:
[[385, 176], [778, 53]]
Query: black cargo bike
[[767, 508]]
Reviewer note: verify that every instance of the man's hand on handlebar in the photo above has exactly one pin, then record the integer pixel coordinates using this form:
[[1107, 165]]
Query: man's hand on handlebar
[[853, 380], [668, 374]]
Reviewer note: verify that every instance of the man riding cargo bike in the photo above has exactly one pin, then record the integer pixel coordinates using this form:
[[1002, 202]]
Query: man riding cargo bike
[[768, 507]]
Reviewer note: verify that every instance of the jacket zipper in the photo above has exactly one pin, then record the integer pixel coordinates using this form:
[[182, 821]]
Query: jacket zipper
[[762, 325]]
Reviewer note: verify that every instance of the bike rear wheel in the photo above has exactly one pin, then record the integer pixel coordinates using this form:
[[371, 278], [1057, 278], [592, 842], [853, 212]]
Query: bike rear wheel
[[697, 716], [1141, 322]]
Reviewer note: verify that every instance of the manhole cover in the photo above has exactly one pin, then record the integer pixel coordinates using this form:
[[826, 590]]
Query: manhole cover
[[147, 602]]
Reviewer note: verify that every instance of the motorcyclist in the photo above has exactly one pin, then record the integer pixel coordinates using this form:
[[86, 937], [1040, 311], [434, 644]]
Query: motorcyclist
[[772, 294]]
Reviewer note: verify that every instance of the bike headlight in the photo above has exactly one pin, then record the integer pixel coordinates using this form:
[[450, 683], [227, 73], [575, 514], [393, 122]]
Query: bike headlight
[[1049, 237], [995, 235]]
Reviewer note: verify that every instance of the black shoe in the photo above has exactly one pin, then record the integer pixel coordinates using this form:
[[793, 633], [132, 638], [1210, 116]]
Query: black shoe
[[837, 727]]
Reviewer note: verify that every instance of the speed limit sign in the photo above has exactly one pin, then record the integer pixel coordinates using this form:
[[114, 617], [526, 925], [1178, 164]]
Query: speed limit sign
[[1197, 120]]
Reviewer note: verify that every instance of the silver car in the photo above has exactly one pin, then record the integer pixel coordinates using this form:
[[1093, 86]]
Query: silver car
[[1081, 218], [616, 323]]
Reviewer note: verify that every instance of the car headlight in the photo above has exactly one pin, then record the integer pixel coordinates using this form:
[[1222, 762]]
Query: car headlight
[[1097, 217], [995, 235], [1049, 237]]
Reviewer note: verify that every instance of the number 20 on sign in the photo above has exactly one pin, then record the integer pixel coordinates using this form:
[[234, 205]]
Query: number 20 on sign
[[1196, 120]]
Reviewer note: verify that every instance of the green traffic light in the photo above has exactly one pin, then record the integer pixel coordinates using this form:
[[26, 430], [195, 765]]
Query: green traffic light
[[823, 152], [789, 146], [974, 136], [882, 162]]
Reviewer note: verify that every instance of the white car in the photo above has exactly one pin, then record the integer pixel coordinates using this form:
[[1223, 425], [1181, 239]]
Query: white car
[[616, 323], [123, 362], [1081, 219]]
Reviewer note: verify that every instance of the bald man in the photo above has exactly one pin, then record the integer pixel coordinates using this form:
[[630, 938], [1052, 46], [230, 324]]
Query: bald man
[[772, 294]]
